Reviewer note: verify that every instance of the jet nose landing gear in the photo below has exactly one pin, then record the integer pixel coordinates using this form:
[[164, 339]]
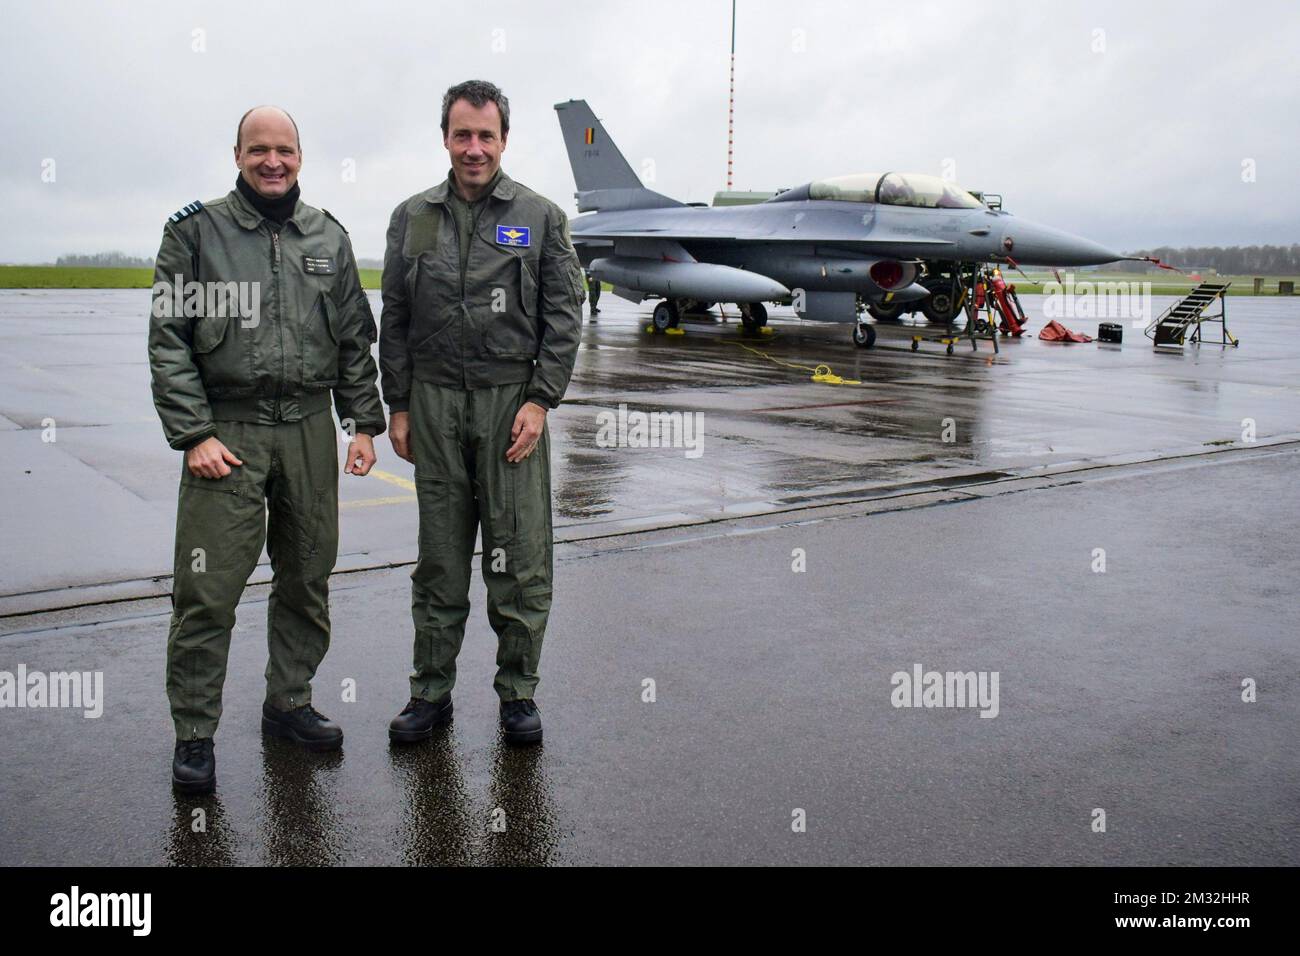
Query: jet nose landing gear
[[864, 335]]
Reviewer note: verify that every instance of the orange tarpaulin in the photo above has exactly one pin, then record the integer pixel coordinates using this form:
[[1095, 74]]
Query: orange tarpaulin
[[1054, 331]]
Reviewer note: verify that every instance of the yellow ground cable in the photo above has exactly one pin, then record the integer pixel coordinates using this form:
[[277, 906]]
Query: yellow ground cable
[[821, 373]]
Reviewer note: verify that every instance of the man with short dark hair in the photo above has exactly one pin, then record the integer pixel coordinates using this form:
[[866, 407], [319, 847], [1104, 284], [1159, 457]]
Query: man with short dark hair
[[258, 316], [482, 315]]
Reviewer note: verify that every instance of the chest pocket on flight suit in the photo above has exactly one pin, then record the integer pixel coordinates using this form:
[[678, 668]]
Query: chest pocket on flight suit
[[512, 332], [320, 344], [222, 354], [430, 283]]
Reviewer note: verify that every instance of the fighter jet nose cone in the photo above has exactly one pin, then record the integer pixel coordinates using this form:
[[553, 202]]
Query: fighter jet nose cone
[[1031, 244]]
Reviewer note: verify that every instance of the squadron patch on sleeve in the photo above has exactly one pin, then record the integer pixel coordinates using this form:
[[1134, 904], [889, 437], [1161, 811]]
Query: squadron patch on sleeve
[[187, 210]]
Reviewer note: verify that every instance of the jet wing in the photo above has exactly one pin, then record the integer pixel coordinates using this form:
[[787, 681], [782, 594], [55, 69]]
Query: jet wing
[[678, 234]]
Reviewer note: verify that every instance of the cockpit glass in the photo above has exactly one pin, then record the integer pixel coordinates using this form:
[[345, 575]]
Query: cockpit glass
[[895, 189], [926, 192], [857, 188]]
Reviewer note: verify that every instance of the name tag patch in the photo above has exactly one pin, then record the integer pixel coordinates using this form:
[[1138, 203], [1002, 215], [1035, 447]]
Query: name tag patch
[[318, 266], [512, 235]]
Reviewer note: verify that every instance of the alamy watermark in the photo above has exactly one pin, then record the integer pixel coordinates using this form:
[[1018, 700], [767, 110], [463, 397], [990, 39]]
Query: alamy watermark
[[75, 908], [922, 688], [211, 300], [1086, 299], [67, 689], [634, 429]]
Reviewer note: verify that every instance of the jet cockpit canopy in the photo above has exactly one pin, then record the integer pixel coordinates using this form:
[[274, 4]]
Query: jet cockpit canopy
[[895, 189]]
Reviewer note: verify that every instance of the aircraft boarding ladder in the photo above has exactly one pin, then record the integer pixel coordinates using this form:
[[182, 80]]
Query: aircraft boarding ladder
[[1170, 329]]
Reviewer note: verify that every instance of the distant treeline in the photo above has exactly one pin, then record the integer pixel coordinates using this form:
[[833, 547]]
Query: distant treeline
[[106, 260], [1230, 260]]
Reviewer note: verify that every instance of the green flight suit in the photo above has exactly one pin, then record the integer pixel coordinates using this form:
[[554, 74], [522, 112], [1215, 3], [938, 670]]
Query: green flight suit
[[482, 313], [261, 383]]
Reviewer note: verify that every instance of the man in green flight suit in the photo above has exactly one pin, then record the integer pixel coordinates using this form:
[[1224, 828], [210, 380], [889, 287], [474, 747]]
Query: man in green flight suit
[[593, 295], [258, 315], [482, 315]]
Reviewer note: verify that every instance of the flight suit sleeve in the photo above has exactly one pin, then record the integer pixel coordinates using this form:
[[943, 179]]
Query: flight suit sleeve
[[356, 395], [178, 393], [395, 318], [562, 296]]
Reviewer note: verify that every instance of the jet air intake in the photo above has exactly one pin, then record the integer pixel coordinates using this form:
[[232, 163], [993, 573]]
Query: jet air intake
[[704, 281], [887, 273]]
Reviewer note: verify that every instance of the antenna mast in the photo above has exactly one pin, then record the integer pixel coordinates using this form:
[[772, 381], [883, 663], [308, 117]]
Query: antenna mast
[[731, 99]]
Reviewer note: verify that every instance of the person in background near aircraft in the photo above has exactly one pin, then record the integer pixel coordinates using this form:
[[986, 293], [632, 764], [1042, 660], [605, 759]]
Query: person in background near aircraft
[[593, 294]]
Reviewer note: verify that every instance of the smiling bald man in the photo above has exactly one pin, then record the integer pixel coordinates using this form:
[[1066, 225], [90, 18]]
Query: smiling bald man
[[258, 317]]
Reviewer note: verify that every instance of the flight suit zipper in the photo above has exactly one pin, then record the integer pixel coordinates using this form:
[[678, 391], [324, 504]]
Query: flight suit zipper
[[464, 307], [275, 283], [475, 211]]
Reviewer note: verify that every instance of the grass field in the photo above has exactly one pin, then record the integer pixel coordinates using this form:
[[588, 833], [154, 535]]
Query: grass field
[[1163, 283], [62, 277], [73, 277]]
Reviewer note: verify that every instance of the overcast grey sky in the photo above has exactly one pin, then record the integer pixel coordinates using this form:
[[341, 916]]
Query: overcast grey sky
[[1125, 122]]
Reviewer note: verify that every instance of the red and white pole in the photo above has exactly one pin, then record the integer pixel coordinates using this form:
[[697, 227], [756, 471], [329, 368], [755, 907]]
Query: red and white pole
[[731, 99]]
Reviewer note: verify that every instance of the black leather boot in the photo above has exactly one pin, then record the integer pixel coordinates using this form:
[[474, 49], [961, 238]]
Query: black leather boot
[[520, 722], [194, 766], [303, 725], [418, 718]]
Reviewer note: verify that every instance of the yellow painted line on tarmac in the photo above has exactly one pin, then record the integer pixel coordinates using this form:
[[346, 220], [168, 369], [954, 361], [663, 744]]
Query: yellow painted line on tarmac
[[403, 483], [393, 479], [373, 502]]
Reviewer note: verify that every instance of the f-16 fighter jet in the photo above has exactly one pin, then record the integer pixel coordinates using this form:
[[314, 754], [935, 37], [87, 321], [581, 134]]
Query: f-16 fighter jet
[[829, 247]]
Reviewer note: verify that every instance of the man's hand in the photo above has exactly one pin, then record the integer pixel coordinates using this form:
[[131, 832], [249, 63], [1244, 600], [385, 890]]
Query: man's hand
[[526, 431], [361, 455], [399, 433], [210, 459]]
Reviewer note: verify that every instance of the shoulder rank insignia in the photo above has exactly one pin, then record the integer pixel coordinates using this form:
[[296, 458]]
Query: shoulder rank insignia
[[187, 210], [335, 221], [512, 235]]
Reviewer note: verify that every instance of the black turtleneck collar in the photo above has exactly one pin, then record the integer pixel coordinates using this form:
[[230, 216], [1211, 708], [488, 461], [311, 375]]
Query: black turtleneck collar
[[277, 210]]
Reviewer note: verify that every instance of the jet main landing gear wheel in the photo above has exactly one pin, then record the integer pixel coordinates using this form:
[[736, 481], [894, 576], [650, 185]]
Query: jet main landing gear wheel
[[886, 312], [753, 316], [942, 306], [665, 316]]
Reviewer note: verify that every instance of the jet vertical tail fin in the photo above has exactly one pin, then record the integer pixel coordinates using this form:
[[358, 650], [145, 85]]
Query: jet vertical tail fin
[[603, 177]]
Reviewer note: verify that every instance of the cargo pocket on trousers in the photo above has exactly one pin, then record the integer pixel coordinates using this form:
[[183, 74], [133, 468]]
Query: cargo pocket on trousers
[[535, 599], [217, 519], [310, 540], [435, 515], [499, 509]]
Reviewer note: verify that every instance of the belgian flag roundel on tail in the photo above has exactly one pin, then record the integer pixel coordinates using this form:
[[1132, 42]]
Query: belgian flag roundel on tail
[[589, 135]]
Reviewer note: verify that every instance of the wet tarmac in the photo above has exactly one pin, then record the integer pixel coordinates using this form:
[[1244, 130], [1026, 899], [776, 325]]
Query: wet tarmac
[[771, 438], [1120, 691]]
